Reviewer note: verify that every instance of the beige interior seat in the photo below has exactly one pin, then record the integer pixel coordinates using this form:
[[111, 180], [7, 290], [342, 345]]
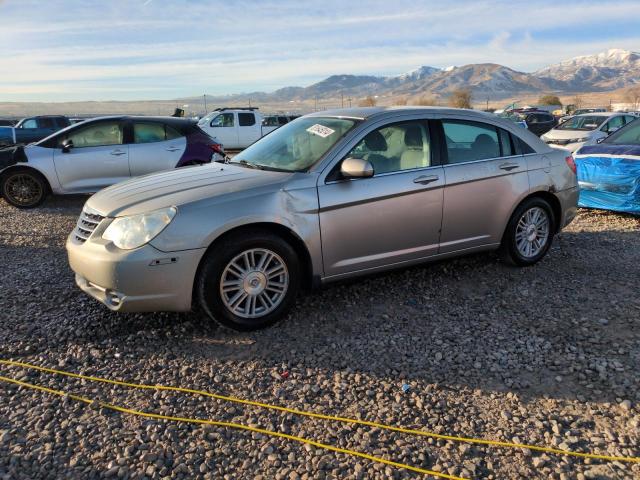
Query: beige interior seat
[[415, 154]]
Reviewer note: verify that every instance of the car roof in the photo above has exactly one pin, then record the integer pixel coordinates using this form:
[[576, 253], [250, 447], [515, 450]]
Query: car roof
[[178, 121], [598, 114], [364, 113]]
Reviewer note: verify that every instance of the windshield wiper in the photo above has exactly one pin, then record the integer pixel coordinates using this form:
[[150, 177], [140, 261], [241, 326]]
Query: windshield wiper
[[244, 163]]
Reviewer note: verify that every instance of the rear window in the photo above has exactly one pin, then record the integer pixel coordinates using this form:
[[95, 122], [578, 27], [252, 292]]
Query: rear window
[[469, 141], [153, 132], [246, 119]]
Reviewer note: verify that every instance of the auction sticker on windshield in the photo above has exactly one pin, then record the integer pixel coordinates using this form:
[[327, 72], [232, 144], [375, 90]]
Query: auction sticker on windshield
[[320, 130]]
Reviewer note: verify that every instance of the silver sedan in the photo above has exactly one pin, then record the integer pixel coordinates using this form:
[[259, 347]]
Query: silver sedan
[[328, 196]]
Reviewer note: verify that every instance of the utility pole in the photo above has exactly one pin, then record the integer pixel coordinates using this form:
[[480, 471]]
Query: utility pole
[[487, 103], [342, 99], [249, 103], [315, 108], [349, 99], [205, 103]]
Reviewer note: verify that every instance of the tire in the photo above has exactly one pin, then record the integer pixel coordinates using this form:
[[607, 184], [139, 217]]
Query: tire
[[253, 299], [23, 187], [529, 233]]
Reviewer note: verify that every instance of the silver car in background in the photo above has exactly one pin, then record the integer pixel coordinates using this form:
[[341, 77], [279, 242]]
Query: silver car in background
[[331, 195]]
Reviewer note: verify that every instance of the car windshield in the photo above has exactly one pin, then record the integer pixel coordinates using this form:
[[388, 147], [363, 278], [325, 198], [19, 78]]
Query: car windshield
[[297, 145], [585, 123], [628, 135]]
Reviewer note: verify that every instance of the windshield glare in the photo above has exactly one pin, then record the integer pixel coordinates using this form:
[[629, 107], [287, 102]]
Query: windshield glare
[[297, 145], [585, 123], [628, 135]]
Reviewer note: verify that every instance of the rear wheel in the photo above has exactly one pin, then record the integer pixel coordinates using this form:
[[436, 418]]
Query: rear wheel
[[249, 281], [23, 188], [529, 233]]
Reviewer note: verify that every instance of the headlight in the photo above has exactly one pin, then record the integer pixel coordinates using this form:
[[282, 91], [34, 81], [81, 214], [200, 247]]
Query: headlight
[[134, 231], [579, 140]]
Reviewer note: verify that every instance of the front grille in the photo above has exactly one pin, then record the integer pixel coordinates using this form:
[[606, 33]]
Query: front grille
[[87, 223]]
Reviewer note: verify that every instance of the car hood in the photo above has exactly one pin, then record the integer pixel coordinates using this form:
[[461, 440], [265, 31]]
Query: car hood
[[556, 134], [179, 187]]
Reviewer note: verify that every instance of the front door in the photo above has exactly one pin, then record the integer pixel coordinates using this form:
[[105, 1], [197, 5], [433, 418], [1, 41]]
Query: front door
[[390, 218], [97, 159], [224, 129], [485, 177]]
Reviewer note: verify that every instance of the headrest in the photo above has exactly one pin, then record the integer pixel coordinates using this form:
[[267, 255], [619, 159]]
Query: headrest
[[374, 141], [413, 136]]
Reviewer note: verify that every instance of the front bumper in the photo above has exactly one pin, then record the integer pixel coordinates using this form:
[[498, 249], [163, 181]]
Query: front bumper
[[140, 280]]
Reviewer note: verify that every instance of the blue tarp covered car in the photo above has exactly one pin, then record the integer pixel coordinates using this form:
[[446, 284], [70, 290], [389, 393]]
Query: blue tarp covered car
[[609, 172]]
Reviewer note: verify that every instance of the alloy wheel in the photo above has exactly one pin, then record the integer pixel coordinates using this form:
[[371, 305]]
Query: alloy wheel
[[22, 189], [532, 232], [254, 283]]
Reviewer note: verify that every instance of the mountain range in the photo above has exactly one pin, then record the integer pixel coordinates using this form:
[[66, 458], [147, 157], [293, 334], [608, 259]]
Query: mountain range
[[604, 71]]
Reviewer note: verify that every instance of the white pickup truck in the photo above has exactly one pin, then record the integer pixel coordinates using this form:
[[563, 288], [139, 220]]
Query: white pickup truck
[[234, 128]]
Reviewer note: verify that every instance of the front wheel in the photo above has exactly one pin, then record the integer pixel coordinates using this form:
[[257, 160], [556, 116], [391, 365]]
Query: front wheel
[[249, 281], [23, 188], [529, 233]]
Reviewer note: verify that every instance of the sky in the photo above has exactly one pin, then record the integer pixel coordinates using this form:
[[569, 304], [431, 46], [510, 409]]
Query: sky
[[75, 50]]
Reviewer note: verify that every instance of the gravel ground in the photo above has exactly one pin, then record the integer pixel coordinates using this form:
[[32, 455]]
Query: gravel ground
[[547, 355]]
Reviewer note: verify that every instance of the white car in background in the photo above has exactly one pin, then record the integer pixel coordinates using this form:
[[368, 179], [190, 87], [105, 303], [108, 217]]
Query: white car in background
[[235, 128], [585, 129]]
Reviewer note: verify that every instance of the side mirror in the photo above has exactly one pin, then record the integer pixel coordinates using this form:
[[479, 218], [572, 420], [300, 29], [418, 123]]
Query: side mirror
[[67, 145], [356, 168]]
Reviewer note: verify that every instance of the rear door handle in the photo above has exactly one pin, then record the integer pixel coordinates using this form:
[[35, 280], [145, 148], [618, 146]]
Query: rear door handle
[[425, 179], [118, 152], [509, 166]]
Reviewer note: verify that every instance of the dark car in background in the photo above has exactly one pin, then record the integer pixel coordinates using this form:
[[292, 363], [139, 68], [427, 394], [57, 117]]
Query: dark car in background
[[539, 122], [32, 129]]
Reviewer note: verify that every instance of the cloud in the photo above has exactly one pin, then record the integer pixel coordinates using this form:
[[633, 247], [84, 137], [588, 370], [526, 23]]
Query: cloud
[[104, 51]]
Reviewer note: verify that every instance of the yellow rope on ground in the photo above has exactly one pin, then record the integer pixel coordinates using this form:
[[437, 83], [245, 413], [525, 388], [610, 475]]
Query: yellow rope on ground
[[232, 425], [478, 441]]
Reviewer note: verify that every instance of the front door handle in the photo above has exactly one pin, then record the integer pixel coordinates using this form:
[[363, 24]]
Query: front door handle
[[425, 179], [509, 166], [173, 149], [118, 152]]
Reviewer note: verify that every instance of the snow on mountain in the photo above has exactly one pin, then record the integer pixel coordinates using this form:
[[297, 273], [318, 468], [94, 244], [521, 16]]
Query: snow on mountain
[[612, 69], [415, 74]]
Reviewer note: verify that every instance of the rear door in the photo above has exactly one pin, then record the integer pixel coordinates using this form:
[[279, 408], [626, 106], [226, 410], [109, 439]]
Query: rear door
[[154, 146], [99, 157], [249, 129], [484, 178], [391, 218]]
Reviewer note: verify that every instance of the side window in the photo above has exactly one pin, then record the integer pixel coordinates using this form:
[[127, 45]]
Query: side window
[[468, 141], [532, 118], [172, 133], [521, 147], [506, 145], [246, 119], [629, 119], [31, 123], [47, 123], [97, 134], [148, 132], [401, 146], [283, 120], [223, 120], [613, 124]]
